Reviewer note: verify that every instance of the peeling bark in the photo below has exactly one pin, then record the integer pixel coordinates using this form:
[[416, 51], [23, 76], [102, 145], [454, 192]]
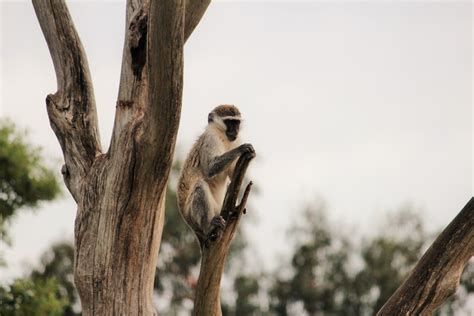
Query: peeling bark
[[436, 276], [120, 194], [214, 253]]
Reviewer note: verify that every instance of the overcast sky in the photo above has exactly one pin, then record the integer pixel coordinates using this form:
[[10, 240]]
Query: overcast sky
[[367, 105]]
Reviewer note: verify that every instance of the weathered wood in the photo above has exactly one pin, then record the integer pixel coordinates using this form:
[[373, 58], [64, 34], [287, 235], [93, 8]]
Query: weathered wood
[[165, 54], [133, 91], [120, 195], [214, 253], [71, 110], [133, 88], [195, 10], [436, 276]]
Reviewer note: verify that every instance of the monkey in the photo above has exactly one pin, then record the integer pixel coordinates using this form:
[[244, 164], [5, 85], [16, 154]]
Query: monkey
[[206, 172]]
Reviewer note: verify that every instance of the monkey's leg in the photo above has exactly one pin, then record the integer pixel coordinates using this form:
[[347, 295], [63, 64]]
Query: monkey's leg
[[209, 225], [217, 227]]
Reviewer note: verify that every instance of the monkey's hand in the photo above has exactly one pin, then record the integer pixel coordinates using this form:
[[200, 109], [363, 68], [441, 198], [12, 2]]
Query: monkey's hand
[[217, 227], [248, 149]]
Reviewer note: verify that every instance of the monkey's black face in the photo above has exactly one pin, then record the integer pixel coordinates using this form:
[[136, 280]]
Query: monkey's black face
[[232, 128]]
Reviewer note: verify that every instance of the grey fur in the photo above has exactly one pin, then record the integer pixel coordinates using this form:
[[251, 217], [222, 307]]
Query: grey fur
[[205, 175]]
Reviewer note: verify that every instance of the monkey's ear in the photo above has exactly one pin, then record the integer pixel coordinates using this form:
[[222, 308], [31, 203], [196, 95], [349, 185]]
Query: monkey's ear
[[210, 117]]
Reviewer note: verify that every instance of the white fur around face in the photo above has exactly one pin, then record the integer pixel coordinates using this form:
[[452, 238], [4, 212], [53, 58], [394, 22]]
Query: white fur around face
[[217, 132], [219, 122]]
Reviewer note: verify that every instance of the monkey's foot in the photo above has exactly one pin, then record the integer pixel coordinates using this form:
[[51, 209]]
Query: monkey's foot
[[217, 227]]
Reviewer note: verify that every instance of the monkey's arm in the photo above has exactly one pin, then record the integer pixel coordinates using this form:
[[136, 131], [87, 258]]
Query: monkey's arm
[[219, 163]]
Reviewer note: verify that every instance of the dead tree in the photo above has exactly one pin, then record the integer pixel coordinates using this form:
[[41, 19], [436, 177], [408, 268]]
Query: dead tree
[[119, 193], [436, 276]]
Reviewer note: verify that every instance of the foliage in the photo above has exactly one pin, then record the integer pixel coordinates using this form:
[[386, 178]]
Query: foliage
[[179, 253], [328, 273], [331, 275], [24, 179], [58, 263], [26, 297], [319, 275], [247, 289]]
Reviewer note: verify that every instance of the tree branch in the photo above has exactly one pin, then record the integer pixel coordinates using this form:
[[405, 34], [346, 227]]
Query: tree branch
[[134, 88], [71, 109], [165, 65], [195, 10], [436, 276], [214, 253], [133, 80]]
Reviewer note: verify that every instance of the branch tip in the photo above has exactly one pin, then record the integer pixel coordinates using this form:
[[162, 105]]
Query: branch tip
[[243, 202]]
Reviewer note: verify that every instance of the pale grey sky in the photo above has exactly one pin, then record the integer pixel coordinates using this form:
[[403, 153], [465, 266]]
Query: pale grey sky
[[365, 104]]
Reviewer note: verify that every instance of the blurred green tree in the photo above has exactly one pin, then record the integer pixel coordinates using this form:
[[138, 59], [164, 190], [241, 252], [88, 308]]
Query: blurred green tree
[[58, 263], [331, 275], [247, 289], [25, 181], [25, 297]]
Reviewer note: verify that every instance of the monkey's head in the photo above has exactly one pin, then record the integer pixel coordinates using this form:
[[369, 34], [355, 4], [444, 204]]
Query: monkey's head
[[227, 119]]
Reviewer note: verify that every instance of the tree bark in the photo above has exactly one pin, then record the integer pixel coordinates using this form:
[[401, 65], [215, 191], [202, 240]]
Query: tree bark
[[436, 276], [119, 194], [214, 253], [71, 110]]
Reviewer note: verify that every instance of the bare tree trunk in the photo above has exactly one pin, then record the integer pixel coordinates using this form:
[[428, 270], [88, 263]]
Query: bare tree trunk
[[119, 194], [436, 276], [214, 253]]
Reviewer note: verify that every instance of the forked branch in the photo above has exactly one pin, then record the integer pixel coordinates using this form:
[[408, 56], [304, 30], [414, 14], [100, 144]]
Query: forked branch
[[71, 110], [436, 276], [214, 253], [120, 195]]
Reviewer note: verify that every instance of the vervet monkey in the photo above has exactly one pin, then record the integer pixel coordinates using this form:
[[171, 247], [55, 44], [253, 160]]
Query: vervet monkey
[[206, 171]]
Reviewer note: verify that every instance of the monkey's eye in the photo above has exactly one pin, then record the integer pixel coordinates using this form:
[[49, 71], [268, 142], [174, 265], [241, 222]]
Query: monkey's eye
[[232, 122]]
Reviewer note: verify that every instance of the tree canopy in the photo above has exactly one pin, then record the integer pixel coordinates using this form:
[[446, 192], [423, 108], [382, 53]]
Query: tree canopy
[[25, 180]]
